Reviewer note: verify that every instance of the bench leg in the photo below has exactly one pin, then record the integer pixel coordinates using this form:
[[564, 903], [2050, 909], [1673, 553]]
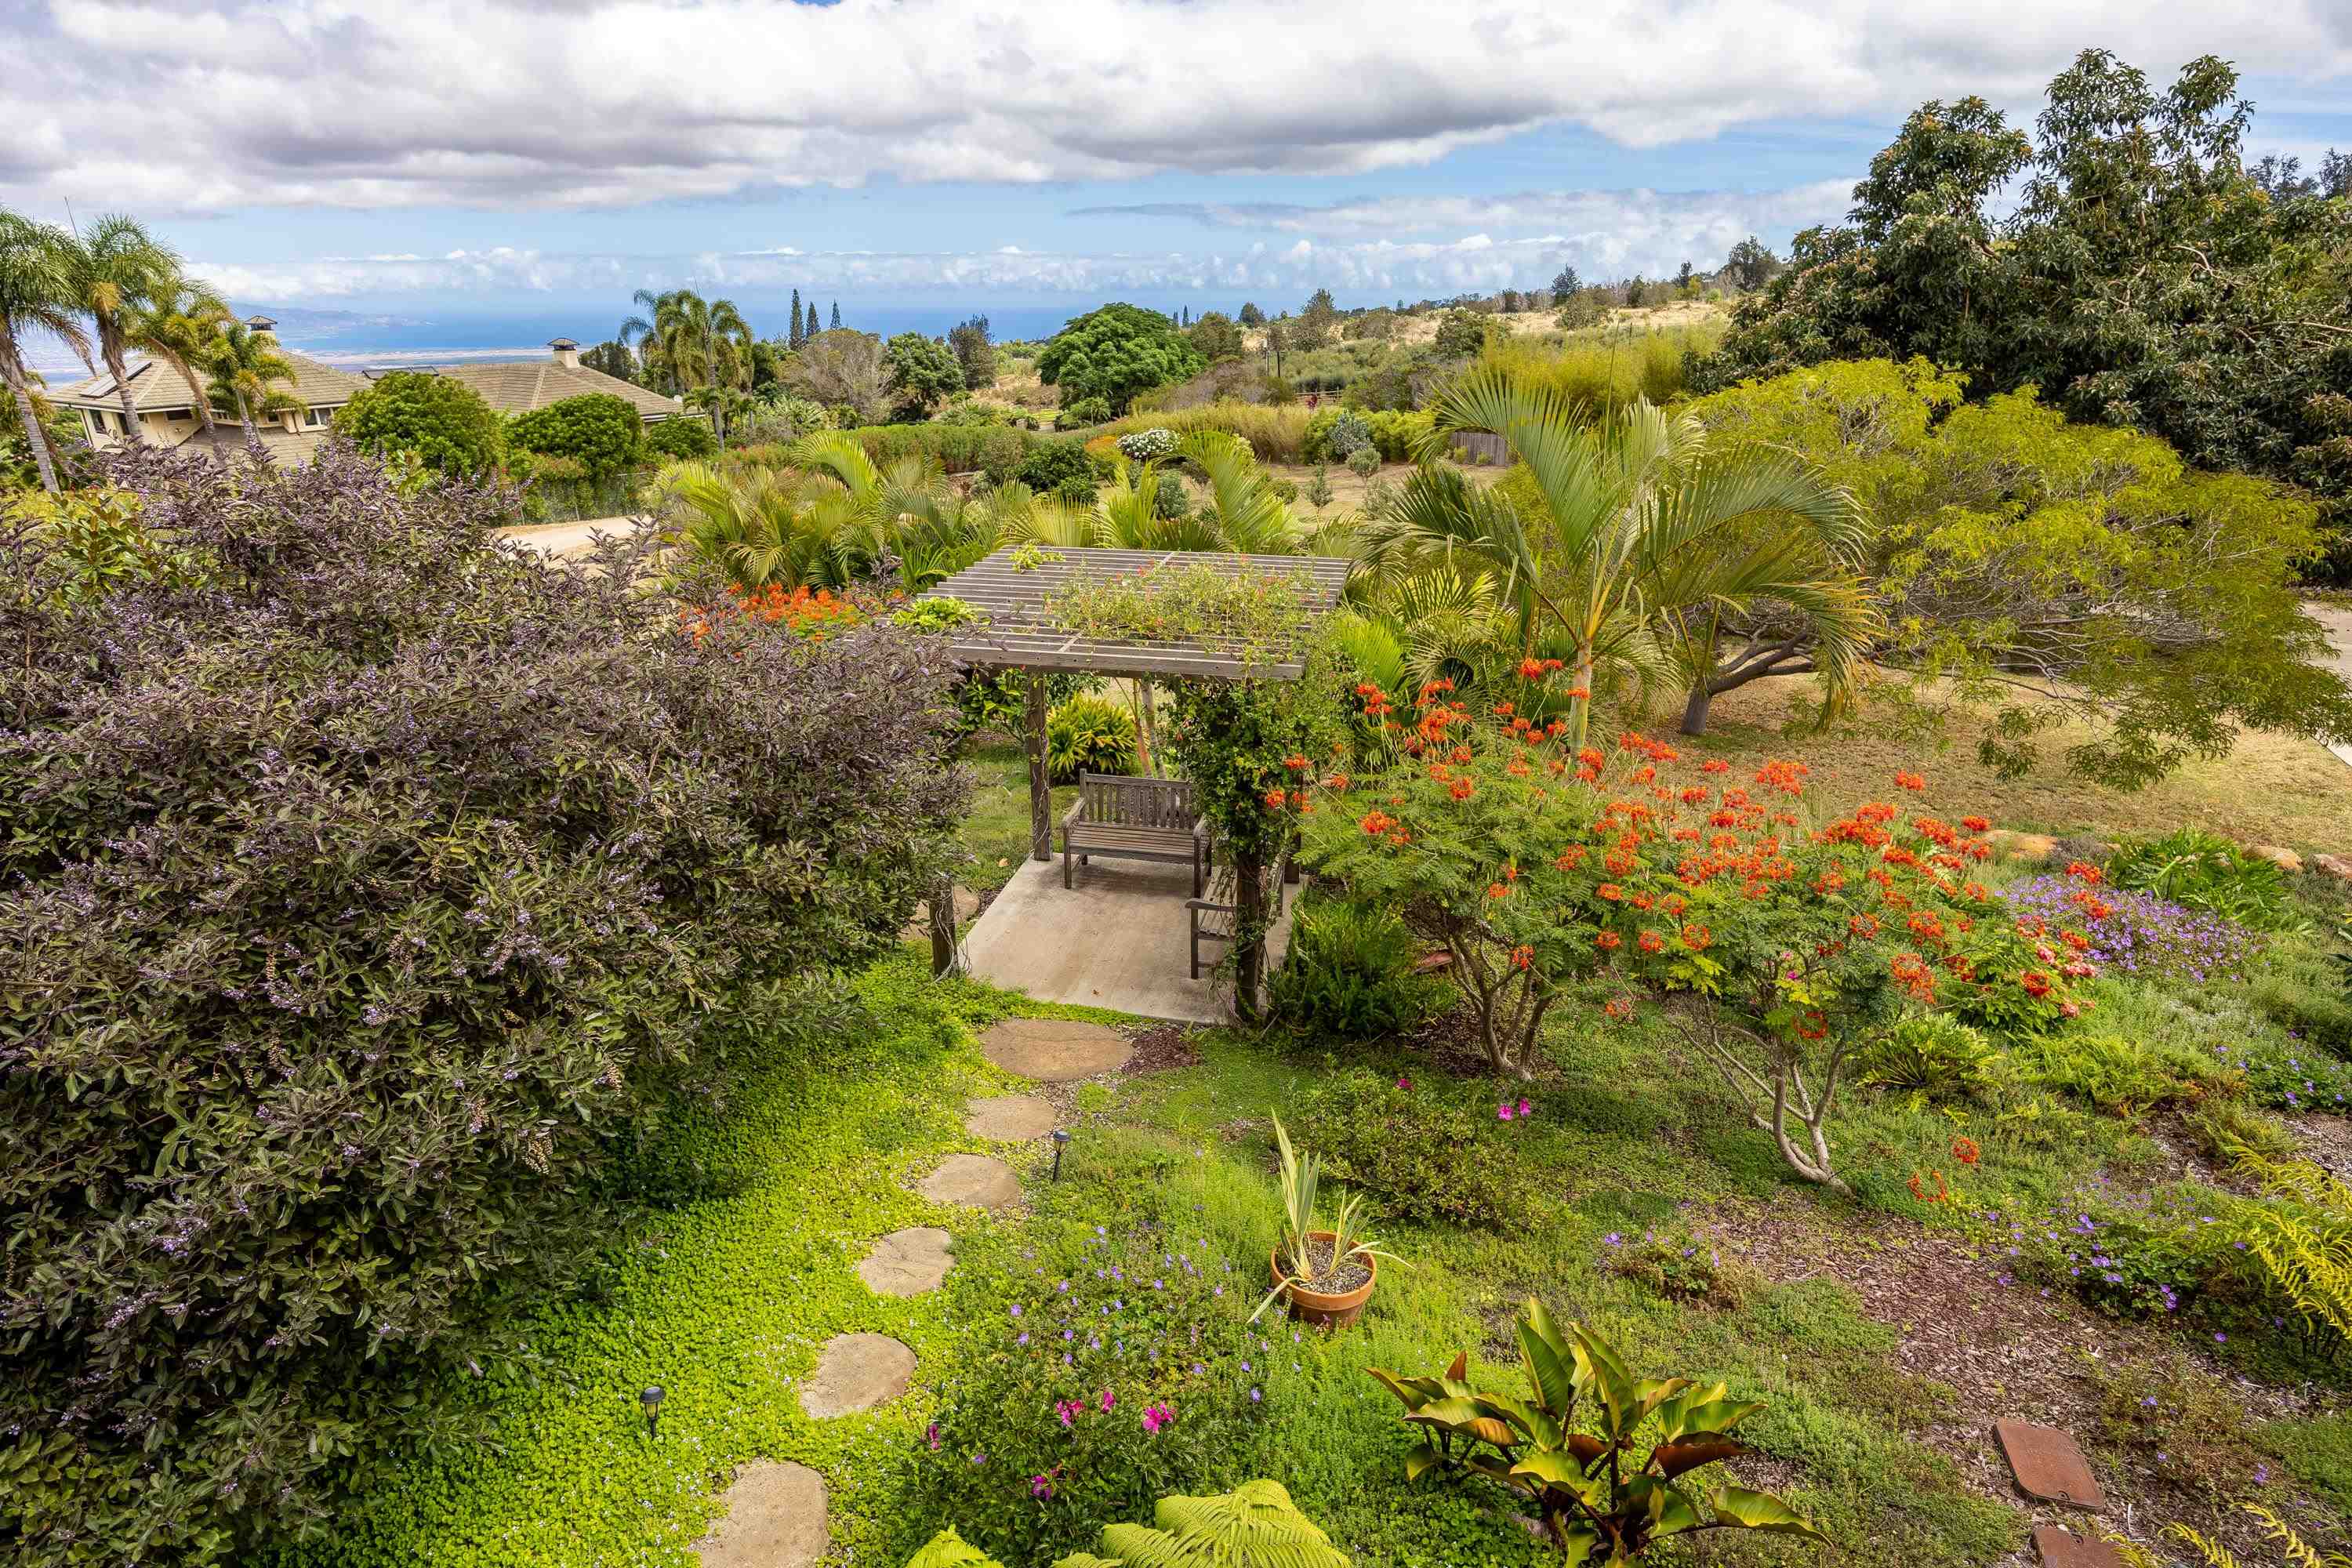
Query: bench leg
[[1066, 866]]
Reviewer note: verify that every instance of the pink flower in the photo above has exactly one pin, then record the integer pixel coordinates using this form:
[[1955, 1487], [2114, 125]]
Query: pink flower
[[1156, 1416], [1405, 1084], [1525, 1109], [1503, 1112], [1067, 1409], [1109, 1400], [1041, 1488]]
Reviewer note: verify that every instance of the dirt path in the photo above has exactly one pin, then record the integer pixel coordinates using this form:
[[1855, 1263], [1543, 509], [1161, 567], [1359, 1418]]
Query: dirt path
[[2337, 619], [566, 540]]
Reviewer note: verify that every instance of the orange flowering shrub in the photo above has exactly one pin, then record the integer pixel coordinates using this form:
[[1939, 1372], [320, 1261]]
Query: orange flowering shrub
[[1776, 943], [812, 613]]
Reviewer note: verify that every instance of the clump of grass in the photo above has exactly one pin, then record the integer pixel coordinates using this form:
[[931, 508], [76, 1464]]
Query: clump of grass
[[1610, 367]]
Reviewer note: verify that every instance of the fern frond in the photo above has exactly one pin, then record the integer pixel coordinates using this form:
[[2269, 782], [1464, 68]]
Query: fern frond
[[1253, 1526], [2296, 1550], [948, 1549], [2216, 1556], [2133, 1554]]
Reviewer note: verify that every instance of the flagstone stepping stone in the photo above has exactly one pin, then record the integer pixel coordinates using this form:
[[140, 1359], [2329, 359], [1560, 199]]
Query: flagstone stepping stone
[[1009, 1118], [1054, 1050], [2048, 1465], [857, 1371], [974, 1180], [2059, 1549], [908, 1262], [775, 1518]]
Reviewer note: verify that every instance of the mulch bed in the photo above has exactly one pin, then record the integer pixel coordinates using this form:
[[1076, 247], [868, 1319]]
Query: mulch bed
[[2008, 1350], [2326, 1141], [1163, 1048]]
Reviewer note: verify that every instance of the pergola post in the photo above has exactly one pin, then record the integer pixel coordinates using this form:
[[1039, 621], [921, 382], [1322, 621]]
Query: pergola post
[[1041, 793]]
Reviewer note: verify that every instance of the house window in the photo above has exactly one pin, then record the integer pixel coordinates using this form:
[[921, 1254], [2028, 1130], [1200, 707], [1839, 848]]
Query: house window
[[181, 416], [312, 419]]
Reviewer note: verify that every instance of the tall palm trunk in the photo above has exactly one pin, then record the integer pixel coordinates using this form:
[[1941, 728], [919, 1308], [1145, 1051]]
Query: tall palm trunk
[[123, 389], [34, 437]]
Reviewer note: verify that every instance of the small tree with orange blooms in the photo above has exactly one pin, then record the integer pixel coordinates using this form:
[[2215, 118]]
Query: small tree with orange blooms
[[1774, 947]]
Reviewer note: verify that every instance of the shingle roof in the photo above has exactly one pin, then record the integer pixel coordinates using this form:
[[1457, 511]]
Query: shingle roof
[[157, 386], [517, 386]]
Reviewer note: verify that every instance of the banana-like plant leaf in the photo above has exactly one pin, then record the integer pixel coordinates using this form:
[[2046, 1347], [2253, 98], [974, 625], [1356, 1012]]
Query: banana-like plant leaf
[[1421, 1461], [1472, 1417], [1585, 1446], [1689, 1453], [1414, 1391], [1551, 1370], [1460, 1371], [1669, 1511], [1761, 1511]]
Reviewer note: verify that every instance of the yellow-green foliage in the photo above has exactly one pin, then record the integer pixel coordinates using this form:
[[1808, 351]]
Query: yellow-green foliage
[[948, 1549], [1276, 432], [2293, 1547], [2303, 1242], [1253, 1526], [1607, 369]]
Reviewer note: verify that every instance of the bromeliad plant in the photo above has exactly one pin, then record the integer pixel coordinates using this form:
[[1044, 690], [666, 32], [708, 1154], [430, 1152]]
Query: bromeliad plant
[[1601, 1501]]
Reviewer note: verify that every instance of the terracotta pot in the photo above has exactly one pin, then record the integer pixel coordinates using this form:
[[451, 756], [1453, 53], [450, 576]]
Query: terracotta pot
[[1314, 1307]]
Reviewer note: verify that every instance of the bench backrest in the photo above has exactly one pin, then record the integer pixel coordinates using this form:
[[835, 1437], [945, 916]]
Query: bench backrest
[[1138, 803]]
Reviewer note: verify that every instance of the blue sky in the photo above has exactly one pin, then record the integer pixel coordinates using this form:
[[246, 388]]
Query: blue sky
[[431, 170]]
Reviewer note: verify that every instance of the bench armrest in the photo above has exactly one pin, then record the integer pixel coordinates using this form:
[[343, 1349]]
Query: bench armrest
[[1077, 810]]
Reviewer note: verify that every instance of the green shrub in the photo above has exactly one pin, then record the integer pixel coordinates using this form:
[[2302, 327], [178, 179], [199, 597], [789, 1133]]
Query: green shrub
[[1085, 411], [1276, 433], [2123, 1077], [1426, 1151], [1153, 1398], [1171, 500], [681, 438], [1049, 465], [1684, 1268], [2302, 989], [1350, 973], [1315, 441], [444, 423], [1364, 462], [2199, 870], [1349, 435], [1089, 735], [599, 432], [1397, 435], [988, 698], [1147, 446], [1935, 1056], [308, 1088]]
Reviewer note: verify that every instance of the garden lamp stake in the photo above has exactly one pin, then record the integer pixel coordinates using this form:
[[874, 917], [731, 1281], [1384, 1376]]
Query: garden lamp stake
[[652, 1400], [1061, 1140]]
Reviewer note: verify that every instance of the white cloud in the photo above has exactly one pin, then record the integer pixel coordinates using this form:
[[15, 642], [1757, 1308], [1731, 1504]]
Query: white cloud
[[587, 103]]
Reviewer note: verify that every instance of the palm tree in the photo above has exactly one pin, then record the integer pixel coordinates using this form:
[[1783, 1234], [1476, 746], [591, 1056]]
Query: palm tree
[[245, 366], [121, 270], [1649, 539], [179, 326], [37, 291], [696, 342]]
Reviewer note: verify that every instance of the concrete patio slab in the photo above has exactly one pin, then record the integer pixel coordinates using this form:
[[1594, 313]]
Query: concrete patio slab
[[1121, 939]]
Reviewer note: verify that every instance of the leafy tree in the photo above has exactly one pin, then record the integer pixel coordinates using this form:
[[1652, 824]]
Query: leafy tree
[[1315, 321], [921, 371], [1637, 290], [246, 369], [676, 440], [841, 367], [689, 341], [1251, 316], [1751, 264], [1115, 353], [1686, 280], [444, 423], [1564, 283], [66, 447], [600, 432], [613, 358], [798, 335], [2049, 568], [2144, 278], [36, 293], [836, 316], [177, 327], [2283, 179], [1511, 301], [974, 352], [1462, 332], [1215, 337], [553, 868]]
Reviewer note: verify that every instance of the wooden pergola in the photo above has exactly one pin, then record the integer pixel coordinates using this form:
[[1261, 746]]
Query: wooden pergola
[[1019, 633]]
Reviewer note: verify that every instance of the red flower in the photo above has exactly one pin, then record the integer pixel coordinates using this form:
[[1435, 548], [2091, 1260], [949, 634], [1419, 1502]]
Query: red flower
[[1975, 824], [1531, 669], [1377, 823], [2083, 871], [1523, 957], [1909, 781], [1714, 766], [1965, 1151], [1650, 941], [1698, 938], [1295, 765], [1611, 891], [1276, 799], [1608, 940]]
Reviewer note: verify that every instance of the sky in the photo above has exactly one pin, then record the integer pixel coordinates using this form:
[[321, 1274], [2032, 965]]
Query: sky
[[424, 173]]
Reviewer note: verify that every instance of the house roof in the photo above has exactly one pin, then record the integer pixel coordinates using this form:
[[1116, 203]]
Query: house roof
[[517, 386], [156, 387]]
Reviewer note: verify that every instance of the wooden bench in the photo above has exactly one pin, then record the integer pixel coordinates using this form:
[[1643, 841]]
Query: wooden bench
[[1213, 917], [1135, 819]]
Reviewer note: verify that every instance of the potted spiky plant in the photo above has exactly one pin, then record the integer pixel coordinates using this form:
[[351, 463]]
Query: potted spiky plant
[[1325, 1275]]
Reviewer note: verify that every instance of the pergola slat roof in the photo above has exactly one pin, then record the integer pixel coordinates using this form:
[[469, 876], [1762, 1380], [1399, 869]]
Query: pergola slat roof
[[1019, 633]]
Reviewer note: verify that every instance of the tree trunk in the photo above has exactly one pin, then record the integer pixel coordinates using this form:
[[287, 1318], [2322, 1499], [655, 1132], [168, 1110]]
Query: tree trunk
[[1694, 710], [1249, 923], [34, 437], [131, 431], [943, 927], [1041, 793]]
